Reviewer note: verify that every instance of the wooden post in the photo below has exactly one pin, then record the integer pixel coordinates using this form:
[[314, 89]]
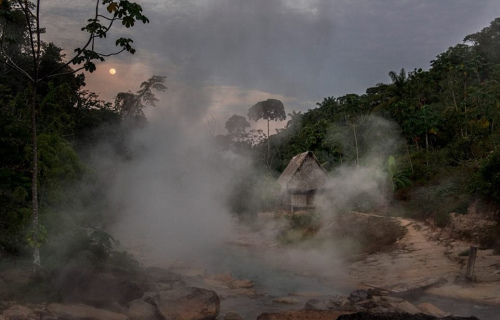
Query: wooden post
[[469, 275]]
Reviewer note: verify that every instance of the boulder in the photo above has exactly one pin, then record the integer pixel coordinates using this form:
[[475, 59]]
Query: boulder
[[141, 310], [83, 312], [189, 303], [99, 289], [18, 312]]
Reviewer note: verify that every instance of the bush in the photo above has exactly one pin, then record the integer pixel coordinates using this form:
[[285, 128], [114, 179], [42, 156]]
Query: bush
[[442, 219], [487, 182]]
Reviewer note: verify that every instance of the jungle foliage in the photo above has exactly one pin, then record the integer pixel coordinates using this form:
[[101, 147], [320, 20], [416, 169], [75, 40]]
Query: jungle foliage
[[441, 126]]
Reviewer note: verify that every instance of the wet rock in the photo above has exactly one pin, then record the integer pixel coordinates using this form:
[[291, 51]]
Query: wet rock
[[286, 300], [233, 316], [18, 312], [83, 312], [99, 289], [432, 310], [141, 310], [189, 303]]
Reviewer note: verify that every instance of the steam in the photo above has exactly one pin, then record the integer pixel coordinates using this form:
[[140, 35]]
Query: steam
[[172, 197]]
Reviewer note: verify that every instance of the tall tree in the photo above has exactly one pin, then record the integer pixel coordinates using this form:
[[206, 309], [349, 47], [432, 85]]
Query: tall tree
[[21, 27], [271, 109]]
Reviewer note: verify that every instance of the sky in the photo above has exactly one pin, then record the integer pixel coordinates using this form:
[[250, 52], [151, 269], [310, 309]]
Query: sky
[[221, 57]]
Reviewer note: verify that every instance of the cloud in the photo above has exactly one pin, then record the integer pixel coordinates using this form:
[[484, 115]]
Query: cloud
[[302, 50]]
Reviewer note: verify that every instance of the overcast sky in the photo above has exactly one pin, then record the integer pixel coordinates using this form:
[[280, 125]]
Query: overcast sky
[[222, 56]]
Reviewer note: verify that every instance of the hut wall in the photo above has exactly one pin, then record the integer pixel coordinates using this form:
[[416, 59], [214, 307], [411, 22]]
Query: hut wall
[[310, 198], [299, 200]]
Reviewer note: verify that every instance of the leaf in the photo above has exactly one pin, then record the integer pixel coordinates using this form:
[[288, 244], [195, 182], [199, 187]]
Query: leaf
[[113, 6]]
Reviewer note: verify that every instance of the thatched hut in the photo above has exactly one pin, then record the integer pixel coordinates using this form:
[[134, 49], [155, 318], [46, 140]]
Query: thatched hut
[[302, 181]]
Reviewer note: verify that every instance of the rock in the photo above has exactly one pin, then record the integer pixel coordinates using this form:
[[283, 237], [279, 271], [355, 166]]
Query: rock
[[116, 307], [311, 294], [99, 289], [18, 312], [366, 305], [250, 292], [395, 316], [83, 312], [161, 275], [358, 296], [315, 304], [189, 303], [237, 284], [407, 307], [339, 302], [233, 316], [392, 299], [302, 315], [432, 310], [141, 310], [186, 270], [2, 318], [150, 297], [286, 300], [220, 277]]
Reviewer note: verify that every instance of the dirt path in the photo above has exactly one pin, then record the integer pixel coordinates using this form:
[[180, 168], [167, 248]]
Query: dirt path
[[424, 255]]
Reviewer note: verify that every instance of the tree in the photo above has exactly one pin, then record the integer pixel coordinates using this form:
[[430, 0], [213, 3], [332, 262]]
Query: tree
[[130, 106], [271, 109], [295, 118], [236, 125], [21, 33]]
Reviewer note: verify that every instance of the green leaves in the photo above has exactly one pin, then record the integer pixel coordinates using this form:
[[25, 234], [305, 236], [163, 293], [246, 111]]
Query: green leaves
[[124, 10]]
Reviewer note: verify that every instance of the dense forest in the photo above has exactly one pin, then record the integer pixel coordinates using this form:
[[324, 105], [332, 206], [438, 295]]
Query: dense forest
[[437, 129]]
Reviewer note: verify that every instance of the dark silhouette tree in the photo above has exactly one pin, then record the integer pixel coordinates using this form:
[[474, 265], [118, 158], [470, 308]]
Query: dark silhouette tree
[[21, 33], [271, 109]]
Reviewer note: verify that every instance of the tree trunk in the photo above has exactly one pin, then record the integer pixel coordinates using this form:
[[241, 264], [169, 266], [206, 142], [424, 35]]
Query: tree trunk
[[34, 185], [268, 146], [356, 144], [409, 157], [427, 148]]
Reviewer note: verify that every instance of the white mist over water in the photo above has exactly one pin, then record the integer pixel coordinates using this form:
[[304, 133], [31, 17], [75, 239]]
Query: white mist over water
[[171, 199]]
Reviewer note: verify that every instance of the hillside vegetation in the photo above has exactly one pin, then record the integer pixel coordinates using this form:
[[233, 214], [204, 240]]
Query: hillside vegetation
[[434, 132]]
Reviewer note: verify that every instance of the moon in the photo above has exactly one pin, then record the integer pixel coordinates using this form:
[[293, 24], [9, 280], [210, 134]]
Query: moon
[[112, 71]]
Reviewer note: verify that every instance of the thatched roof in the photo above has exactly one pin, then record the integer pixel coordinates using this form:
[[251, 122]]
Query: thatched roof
[[304, 173]]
